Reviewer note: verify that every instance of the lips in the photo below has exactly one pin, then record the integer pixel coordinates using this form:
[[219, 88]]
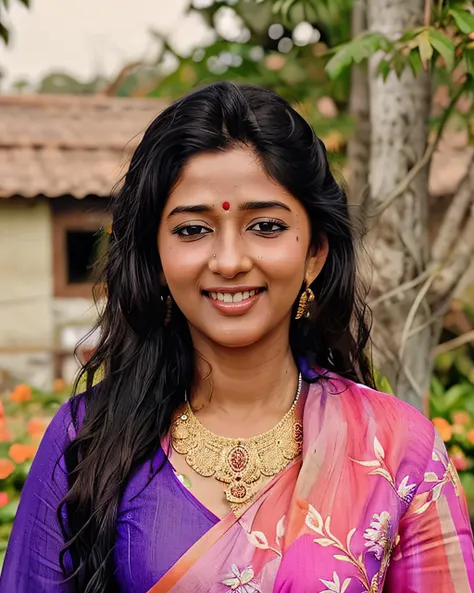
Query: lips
[[233, 301]]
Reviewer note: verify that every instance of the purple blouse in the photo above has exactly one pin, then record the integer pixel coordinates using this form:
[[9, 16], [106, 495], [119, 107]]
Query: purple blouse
[[158, 521]]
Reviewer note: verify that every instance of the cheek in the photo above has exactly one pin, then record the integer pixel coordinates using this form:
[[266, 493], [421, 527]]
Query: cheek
[[180, 261], [286, 262]]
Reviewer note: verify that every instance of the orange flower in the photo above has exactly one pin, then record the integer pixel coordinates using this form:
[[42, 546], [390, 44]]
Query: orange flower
[[458, 429], [470, 436], [59, 385], [461, 417], [20, 453], [3, 499], [21, 393], [275, 62], [6, 468], [444, 428], [4, 435], [37, 426]]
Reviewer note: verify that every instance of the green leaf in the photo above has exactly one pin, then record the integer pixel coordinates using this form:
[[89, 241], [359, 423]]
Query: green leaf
[[464, 20], [357, 50], [468, 55], [341, 60], [415, 62], [283, 7], [436, 387], [444, 46], [455, 395], [382, 383], [384, 69], [8, 512], [424, 46], [4, 33]]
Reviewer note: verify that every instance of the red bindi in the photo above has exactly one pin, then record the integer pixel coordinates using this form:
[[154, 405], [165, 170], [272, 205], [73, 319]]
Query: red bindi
[[225, 205]]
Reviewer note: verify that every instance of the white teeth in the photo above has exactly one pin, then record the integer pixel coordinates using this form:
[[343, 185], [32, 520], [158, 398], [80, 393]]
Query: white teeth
[[236, 297]]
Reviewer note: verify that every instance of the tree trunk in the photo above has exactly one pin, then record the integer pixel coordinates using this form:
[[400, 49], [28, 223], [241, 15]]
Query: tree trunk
[[358, 150], [398, 240]]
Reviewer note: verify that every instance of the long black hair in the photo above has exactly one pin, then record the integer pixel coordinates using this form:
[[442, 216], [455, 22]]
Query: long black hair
[[145, 365]]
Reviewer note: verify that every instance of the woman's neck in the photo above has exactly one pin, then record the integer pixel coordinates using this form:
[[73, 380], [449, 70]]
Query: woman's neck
[[241, 383]]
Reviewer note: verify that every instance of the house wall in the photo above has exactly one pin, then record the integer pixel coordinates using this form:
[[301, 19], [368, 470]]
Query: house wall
[[35, 326], [26, 336]]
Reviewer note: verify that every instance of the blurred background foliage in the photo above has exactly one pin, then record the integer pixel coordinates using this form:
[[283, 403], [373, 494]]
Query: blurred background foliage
[[24, 416]]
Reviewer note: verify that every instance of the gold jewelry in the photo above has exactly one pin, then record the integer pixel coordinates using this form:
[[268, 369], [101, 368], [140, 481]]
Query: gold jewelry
[[243, 463], [303, 306]]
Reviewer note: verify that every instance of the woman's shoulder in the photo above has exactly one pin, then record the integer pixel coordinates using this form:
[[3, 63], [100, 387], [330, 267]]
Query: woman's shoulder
[[390, 408], [383, 422], [67, 421]]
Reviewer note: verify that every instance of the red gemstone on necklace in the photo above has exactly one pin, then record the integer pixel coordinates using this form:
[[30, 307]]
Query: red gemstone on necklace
[[226, 205], [238, 459]]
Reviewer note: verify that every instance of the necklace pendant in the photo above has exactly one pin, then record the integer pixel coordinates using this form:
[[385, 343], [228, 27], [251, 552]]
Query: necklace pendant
[[238, 493], [238, 459]]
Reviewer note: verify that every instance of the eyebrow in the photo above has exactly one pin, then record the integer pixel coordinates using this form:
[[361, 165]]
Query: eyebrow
[[255, 205]]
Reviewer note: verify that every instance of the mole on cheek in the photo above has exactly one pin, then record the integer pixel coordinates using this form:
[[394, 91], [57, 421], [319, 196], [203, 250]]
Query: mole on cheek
[[297, 238]]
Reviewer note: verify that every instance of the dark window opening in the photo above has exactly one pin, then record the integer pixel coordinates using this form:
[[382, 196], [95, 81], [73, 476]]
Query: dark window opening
[[81, 249]]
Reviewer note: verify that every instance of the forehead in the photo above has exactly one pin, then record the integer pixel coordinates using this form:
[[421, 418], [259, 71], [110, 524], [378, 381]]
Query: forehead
[[234, 174]]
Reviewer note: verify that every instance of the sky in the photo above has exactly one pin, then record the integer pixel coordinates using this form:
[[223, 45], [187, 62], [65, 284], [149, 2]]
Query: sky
[[89, 37]]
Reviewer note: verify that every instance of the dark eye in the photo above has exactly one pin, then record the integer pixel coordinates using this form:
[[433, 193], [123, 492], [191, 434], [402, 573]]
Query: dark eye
[[192, 230], [268, 227]]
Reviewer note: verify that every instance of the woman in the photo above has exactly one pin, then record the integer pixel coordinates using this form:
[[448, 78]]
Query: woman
[[231, 445]]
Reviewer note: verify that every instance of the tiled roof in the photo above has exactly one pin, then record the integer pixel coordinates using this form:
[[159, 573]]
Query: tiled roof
[[73, 145], [54, 145]]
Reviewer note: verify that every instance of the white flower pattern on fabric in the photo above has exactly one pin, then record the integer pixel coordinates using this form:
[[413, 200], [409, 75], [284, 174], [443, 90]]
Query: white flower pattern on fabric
[[241, 582], [335, 585], [379, 535], [405, 491]]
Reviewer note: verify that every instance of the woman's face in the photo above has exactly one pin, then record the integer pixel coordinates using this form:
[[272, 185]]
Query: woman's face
[[235, 248]]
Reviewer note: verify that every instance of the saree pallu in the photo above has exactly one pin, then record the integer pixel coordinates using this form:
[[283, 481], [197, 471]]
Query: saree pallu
[[373, 504]]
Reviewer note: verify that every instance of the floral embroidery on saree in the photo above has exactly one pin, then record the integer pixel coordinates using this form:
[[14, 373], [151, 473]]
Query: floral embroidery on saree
[[241, 581], [335, 586], [405, 491], [381, 542]]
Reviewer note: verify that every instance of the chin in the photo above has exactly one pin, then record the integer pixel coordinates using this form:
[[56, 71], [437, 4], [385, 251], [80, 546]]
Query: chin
[[238, 338]]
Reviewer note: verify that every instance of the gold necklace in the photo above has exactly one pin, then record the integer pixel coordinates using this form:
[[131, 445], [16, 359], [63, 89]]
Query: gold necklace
[[241, 464]]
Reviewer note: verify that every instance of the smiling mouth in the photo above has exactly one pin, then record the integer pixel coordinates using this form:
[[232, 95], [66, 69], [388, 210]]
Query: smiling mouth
[[232, 297]]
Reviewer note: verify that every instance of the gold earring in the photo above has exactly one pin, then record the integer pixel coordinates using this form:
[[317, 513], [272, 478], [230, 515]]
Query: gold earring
[[303, 305], [169, 306]]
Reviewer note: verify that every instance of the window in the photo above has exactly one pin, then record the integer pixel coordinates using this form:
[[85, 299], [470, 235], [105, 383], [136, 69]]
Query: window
[[77, 240], [80, 255]]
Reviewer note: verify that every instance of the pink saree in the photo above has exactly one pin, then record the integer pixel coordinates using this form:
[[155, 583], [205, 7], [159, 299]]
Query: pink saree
[[373, 505]]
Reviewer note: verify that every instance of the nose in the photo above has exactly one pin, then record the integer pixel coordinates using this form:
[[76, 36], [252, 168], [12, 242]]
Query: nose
[[230, 257]]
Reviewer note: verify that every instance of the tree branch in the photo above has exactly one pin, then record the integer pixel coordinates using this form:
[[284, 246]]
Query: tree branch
[[459, 261], [400, 289], [125, 71], [453, 344], [424, 160], [455, 216], [427, 13], [414, 308]]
